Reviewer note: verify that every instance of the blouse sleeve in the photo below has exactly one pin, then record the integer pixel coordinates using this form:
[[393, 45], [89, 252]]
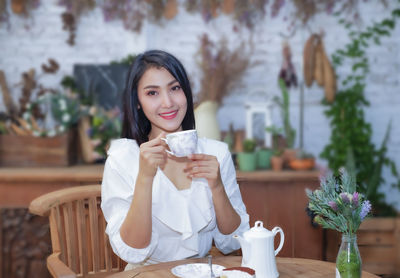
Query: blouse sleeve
[[117, 192], [226, 243]]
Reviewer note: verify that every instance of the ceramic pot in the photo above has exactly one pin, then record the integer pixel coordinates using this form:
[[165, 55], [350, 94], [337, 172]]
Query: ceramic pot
[[206, 120], [276, 163], [264, 159], [246, 161]]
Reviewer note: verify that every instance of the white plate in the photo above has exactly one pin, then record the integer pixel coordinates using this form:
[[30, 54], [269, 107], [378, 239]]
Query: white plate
[[196, 270]]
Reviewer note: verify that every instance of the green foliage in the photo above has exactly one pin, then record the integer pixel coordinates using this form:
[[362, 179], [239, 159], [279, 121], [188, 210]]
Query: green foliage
[[128, 60], [249, 145], [105, 126], [351, 135], [289, 132], [68, 82]]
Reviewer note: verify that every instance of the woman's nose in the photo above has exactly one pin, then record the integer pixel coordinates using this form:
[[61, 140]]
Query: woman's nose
[[166, 100]]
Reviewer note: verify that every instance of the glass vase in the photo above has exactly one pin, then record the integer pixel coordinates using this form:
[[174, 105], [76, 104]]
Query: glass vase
[[348, 261]]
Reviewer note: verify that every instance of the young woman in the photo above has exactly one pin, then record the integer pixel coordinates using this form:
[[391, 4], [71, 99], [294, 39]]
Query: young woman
[[159, 207]]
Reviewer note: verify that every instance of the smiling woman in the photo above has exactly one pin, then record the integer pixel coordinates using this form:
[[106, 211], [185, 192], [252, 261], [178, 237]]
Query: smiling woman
[[160, 207]]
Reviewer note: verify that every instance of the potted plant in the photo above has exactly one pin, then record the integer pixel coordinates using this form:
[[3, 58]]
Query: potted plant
[[221, 70], [247, 158], [277, 160], [339, 206], [288, 131]]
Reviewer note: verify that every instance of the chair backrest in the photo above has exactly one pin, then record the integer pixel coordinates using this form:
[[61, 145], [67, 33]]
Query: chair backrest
[[77, 228]]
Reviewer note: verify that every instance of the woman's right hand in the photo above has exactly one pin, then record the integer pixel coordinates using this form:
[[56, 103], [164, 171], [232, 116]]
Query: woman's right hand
[[152, 155]]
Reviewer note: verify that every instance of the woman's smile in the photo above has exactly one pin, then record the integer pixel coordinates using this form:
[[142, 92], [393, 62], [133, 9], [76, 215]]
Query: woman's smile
[[169, 115]]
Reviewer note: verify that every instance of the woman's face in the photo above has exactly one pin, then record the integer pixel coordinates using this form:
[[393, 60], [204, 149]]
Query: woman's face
[[162, 100]]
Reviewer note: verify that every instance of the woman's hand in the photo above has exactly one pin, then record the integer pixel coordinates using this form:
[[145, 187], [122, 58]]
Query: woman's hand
[[205, 166], [152, 155]]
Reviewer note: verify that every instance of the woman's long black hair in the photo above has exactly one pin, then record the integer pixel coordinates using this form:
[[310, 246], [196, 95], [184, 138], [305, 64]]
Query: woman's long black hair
[[135, 125]]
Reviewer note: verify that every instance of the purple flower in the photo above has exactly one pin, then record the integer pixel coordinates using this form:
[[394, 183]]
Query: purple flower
[[345, 198], [365, 209], [333, 205], [355, 199]]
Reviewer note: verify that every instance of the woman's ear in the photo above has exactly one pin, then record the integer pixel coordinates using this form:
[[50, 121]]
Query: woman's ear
[[138, 106]]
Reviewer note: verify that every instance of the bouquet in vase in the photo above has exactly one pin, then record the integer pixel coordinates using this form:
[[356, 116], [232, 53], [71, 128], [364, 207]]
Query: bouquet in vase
[[338, 206]]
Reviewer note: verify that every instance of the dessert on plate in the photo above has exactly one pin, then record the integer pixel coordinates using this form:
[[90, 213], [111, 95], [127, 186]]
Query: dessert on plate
[[238, 272]]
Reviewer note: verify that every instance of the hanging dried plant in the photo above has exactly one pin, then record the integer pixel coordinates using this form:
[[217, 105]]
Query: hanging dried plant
[[74, 10], [52, 67], [132, 13], [221, 69], [69, 25], [24, 7], [156, 10], [3, 11]]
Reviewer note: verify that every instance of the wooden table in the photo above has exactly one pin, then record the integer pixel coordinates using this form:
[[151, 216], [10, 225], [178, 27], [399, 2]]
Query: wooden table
[[287, 268]]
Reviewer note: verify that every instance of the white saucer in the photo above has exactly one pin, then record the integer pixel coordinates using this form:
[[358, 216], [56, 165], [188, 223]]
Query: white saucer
[[198, 270]]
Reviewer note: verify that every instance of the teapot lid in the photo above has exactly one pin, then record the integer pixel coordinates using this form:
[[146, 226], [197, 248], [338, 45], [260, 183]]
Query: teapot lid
[[258, 231]]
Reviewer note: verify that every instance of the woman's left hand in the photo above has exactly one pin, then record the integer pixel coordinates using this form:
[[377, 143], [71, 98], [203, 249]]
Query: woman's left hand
[[204, 166]]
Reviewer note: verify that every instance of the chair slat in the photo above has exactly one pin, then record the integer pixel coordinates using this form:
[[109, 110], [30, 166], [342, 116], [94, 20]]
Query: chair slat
[[81, 228], [107, 251], [60, 229], [70, 236], [93, 221], [102, 246]]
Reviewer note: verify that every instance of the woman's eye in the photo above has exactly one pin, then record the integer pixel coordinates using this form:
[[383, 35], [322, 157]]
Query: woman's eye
[[151, 93], [176, 88]]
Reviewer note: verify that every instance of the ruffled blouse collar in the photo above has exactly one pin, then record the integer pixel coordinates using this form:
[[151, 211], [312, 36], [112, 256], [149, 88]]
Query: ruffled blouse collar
[[183, 214]]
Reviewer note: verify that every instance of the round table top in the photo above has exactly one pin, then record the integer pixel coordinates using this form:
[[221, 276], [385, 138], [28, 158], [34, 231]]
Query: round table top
[[287, 268]]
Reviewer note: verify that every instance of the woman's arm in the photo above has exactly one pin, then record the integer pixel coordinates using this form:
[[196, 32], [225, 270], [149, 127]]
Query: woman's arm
[[137, 227]]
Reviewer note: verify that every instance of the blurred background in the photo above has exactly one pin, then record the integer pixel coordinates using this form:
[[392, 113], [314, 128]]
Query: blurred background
[[318, 78]]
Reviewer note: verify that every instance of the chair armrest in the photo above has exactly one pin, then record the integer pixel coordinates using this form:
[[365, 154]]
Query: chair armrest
[[41, 205], [57, 268]]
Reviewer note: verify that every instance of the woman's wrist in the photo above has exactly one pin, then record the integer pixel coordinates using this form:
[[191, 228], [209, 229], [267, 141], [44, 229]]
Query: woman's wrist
[[144, 180]]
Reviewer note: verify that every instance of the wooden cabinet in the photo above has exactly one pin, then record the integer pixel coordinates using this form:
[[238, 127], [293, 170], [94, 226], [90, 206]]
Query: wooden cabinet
[[279, 199], [276, 198]]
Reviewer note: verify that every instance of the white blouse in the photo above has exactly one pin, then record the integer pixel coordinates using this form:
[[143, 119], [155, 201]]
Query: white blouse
[[183, 221]]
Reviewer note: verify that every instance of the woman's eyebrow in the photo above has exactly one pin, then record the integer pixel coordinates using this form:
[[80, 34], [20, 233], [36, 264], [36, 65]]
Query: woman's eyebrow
[[151, 87], [155, 86]]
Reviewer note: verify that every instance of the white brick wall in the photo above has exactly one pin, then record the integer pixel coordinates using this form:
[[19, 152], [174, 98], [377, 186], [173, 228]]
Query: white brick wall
[[29, 43]]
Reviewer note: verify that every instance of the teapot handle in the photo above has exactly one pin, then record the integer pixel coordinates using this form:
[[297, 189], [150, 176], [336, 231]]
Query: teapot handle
[[275, 231]]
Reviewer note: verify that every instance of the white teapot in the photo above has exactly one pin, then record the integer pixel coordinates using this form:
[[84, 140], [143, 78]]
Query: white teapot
[[258, 250]]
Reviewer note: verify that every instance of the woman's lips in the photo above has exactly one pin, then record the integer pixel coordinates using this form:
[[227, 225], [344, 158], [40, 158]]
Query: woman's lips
[[169, 115]]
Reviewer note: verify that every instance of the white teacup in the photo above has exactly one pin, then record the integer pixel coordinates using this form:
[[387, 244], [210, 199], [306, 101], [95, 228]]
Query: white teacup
[[181, 143]]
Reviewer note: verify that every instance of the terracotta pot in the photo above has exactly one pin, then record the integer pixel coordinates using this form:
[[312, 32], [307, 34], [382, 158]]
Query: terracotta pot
[[276, 163], [288, 155], [302, 164]]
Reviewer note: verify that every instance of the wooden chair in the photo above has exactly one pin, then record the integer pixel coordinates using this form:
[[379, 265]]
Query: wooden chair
[[77, 226]]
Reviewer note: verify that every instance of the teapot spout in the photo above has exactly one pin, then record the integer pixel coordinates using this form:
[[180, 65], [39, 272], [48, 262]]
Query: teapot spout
[[245, 246]]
